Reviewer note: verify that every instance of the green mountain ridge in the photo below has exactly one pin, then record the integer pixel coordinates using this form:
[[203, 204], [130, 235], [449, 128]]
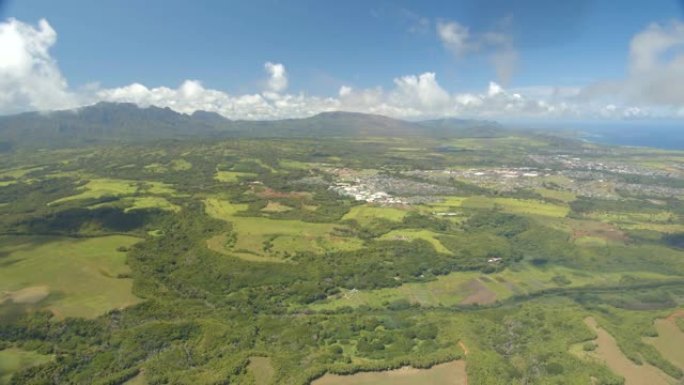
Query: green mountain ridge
[[126, 122]]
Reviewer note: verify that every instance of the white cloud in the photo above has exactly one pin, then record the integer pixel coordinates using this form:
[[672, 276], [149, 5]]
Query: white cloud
[[497, 43], [30, 79], [655, 73], [29, 76], [420, 91], [277, 81], [455, 37]]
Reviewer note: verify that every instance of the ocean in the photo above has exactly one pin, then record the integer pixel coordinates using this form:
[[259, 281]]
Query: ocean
[[669, 137]]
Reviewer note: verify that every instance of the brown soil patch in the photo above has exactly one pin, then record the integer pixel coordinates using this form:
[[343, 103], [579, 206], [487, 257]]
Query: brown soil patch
[[28, 295], [262, 370], [275, 207], [479, 293], [608, 352], [670, 340], [600, 230], [450, 373]]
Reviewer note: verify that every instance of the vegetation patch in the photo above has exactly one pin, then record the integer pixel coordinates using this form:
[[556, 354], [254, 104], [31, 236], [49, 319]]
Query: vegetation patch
[[13, 360]]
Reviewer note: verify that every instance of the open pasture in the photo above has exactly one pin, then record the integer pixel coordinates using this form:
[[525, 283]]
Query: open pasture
[[476, 288], [71, 277], [366, 214]]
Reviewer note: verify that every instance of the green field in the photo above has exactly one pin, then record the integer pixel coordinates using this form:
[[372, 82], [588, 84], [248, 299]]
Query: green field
[[231, 176], [73, 277], [13, 360], [151, 202], [366, 214], [517, 206]]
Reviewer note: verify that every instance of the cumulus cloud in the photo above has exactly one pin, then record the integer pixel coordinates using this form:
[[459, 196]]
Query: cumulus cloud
[[277, 82], [656, 69], [29, 76], [30, 79]]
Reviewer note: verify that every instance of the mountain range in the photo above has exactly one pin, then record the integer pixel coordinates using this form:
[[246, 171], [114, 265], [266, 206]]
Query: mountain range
[[126, 122]]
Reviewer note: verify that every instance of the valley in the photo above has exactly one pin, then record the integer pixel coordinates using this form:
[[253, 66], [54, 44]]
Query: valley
[[292, 259]]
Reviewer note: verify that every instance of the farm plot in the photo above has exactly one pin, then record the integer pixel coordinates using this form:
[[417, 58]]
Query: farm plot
[[266, 240]]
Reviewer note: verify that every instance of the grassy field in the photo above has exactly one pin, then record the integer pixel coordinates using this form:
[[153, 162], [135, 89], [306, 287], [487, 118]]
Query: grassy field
[[450, 373], [102, 187], [13, 360], [231, 176], [608, 353], [263, 239], [71, 277], [412, 234], [151, 202], [366, 214], [180, 165], [475, 287], [517, 206], [560, 195], [296, 165]]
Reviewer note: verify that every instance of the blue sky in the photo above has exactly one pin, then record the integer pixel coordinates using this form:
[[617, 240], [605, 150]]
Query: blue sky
[[376, 50]]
